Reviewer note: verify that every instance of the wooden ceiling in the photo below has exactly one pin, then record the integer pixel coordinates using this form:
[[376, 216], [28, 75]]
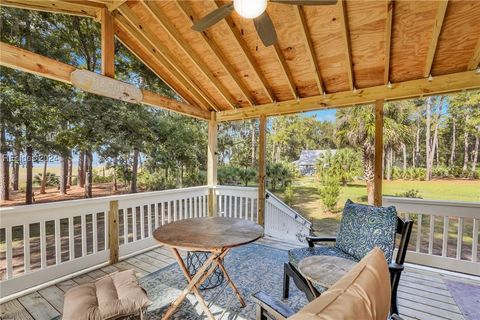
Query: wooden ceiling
[[348, 51]]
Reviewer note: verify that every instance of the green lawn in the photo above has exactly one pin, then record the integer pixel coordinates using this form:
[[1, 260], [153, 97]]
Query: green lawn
[[307, 200]]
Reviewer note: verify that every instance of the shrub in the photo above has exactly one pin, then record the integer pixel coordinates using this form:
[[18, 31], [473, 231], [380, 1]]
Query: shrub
[[330, 191], [345, 164], [246, 175], [441, 172], [412, 193], [280, 174], [151, 181], [397, 173], [102, 179], [51, 181], [228, 175], [289, 195]]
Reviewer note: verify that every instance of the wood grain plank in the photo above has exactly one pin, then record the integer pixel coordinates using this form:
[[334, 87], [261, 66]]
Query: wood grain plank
[[54, 296], [38, 307], [433, 311], [66, 285], [124, 265], [14, 310]]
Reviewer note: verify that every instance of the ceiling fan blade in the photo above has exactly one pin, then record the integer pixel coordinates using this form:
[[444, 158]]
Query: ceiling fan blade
[[306, 2], [213, 17], [265, 29]]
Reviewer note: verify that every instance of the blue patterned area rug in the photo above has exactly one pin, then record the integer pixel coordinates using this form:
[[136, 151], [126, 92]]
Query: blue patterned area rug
[[252, 267], [467, 297]]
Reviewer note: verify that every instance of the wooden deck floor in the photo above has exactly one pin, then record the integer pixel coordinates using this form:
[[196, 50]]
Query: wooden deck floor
[[423, 293]]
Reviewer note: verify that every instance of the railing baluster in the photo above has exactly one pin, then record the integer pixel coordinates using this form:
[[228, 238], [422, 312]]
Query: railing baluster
[[71, 239], [190, 207], [162, 212], [169, 211], [205, 202], [58, 243], [251, 209], [125, 226], [155, 210], [445, 236], [95, 232], [149, 216], [459, 238], [105, 229], [8, 251], [431, 234], [195, 214], [43, 245], [419, 232], [83, 227], [475, 240], [142, 221], [26, 247], [175, 210], [134, 223]]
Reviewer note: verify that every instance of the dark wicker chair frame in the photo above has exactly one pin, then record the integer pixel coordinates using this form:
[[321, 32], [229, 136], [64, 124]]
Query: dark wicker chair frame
[[404, 229]]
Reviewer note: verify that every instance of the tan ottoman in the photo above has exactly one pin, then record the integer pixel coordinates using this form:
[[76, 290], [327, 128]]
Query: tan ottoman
[[111, 297]]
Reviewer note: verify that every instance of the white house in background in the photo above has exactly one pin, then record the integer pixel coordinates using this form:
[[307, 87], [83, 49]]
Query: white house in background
[[308, 160]]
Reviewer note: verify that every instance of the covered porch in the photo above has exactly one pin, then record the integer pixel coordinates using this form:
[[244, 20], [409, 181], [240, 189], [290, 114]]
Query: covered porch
[[343, 55]]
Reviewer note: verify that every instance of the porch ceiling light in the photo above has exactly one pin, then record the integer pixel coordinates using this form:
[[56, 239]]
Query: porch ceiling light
[[250, 8]]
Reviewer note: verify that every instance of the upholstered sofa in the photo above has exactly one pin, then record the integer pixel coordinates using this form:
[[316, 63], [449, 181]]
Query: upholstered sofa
[[363, 293], [362, 228]]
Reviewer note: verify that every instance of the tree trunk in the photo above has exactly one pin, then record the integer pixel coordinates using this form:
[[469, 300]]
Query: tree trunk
[[475, 155], [63, 174], [43, 183], [389, 163], [404, 152], [133, 188], [427, 142], [452, 152], [115, 185], [465, 151], [70, 170], [416, 157], [369, 171], [88, 174], [81, 169], [5, 167], [29, 182], [16, 168], [437, 158]]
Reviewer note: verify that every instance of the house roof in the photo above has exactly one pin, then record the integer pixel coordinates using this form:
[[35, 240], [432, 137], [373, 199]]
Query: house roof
[[310, 157], [326, 56]]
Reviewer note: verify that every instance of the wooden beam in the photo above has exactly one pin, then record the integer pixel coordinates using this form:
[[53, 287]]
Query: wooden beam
[[137, 43], [113, 231], [402, 90], [437, 28], [127, 19], [188, 12], [388, 40], [286, 70], [24, 60], [53, 6], [262, 149], [307, 40], [346, 42], [475, 59], [108, 44], [378, 172], [245, 51], [212, 165], [196, 60]]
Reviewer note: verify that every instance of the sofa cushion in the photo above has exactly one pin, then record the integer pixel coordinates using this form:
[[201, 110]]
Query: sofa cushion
[[363, 293], [298, 254], [365, 227], [110, 297]]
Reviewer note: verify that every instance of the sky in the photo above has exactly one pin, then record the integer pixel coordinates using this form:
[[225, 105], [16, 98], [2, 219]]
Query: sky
[[323, 115]]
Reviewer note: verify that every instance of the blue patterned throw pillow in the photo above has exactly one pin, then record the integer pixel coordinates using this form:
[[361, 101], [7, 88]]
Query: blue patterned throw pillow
[[365, 227]]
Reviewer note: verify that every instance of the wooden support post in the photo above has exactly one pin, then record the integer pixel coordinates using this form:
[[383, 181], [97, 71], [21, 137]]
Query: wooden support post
[[212, 165], [377, 182], [108, 44], [262, 139], [113, 231]]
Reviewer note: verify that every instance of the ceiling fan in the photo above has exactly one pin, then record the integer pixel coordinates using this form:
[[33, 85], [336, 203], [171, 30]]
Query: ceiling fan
[[256, 10]]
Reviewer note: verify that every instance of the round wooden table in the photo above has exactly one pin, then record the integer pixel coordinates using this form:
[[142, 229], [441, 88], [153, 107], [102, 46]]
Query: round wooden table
[[216, 235]]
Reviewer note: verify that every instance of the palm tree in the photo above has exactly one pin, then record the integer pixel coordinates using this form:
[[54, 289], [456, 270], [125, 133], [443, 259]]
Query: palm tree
[[356, 127]]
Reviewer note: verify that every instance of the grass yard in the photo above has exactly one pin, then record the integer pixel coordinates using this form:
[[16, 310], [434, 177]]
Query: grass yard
[[307, 200]]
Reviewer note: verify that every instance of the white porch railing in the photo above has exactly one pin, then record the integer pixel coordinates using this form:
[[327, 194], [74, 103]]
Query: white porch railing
[[445, 233], [45, 243]]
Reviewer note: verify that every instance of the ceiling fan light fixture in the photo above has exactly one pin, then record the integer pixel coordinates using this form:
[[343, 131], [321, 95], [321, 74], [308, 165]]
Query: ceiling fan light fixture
[[250, 9]]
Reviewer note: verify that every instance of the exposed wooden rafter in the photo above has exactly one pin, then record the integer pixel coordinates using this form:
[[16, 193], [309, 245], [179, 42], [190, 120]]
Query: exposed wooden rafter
[[75, 8], [402, 90], [27, 61], [126, 15], [346, 42], [307, 39], [285, 69], [388, 40], [108, 43], [475, 59], [437, 28], [245, 51], [187, 10], [160, 17]]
